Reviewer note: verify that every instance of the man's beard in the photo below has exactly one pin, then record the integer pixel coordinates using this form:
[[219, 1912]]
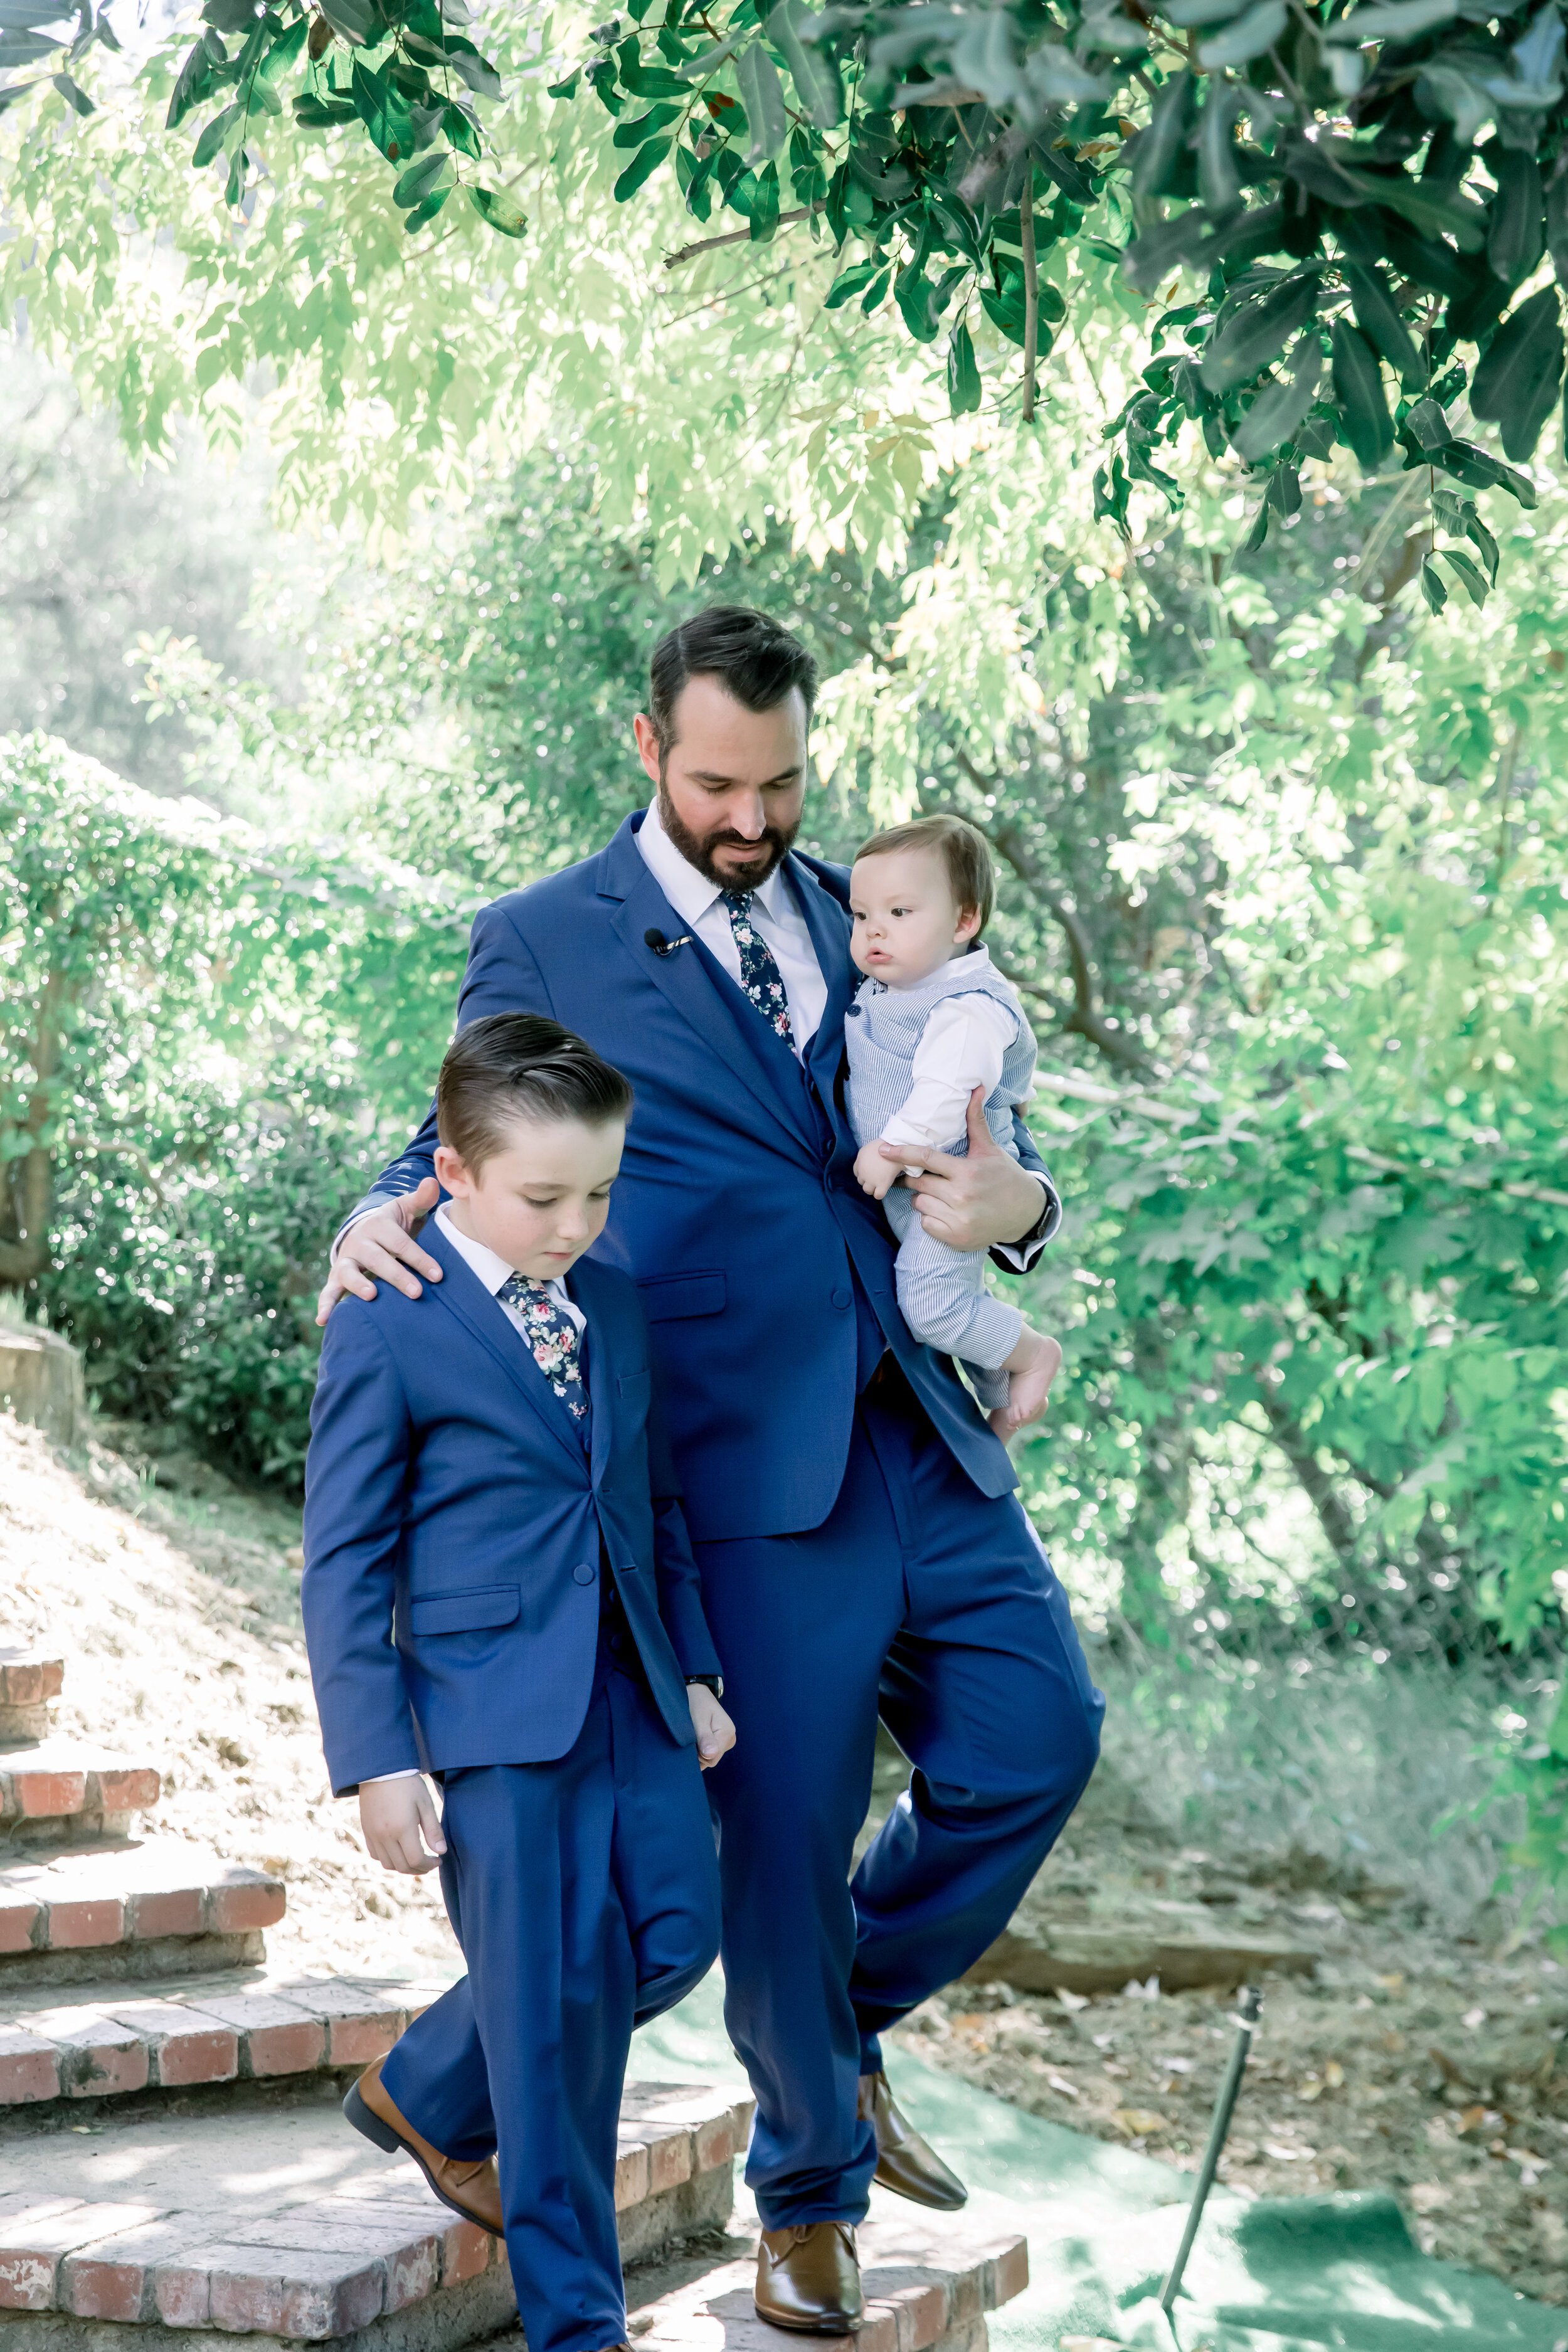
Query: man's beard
[[768, 849]]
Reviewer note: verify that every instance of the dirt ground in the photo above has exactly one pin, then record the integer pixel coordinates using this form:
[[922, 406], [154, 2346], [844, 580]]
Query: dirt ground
[[1412, 2060]]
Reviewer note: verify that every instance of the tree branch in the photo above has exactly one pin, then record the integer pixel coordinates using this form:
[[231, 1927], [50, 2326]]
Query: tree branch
[[1316, 1484], [740, 235], [1031, 289]]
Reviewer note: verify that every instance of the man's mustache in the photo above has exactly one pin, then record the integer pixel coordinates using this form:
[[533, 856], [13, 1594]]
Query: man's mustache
[[770, 838]]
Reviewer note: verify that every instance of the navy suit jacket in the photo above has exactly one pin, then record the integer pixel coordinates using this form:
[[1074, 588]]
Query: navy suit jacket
[[737, 1209], [447, 1492]]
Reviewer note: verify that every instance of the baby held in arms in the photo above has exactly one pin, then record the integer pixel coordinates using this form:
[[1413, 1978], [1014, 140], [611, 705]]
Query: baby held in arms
[[933, 1020]]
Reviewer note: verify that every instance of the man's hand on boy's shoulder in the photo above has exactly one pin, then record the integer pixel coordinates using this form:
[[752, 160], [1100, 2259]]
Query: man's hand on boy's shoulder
[[715, 1732], [381, 1246], [402, 1828]]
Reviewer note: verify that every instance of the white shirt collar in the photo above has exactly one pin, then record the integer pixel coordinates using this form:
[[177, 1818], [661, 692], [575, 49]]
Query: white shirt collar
[[690, 893], [491, 1270]]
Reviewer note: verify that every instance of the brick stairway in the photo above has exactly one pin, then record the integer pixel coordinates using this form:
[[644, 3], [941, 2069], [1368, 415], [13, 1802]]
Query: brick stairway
[[173, 2159]]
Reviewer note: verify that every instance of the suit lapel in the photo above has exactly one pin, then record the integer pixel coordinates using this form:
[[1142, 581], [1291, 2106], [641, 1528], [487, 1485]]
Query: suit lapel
[[464, 1295], [702, 992], [828, 922], [600, 1369]]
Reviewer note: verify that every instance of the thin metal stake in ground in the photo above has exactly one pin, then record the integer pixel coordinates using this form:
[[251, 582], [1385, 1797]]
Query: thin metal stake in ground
[[1247, 2010]]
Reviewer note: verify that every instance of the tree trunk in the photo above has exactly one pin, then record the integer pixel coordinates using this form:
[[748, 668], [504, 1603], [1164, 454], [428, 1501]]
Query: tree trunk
[[31, 1174]]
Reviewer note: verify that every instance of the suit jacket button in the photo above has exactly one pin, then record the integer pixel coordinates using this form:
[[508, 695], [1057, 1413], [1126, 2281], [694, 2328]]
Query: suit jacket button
[[843, 1297], [583, 1575]]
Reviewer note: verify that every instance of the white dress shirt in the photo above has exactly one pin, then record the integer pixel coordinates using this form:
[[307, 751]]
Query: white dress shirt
[[492, 1271], [962, 1047], [774, 913]]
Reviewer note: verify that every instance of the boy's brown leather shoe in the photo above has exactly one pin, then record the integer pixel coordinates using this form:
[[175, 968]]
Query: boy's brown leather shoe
[[906, 2163], [808, 2278], [470, 2188]]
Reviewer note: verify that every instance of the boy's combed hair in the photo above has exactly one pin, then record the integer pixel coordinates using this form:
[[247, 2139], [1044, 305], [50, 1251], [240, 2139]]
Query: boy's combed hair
[[519, 1065], [754, 658], [963, 849]]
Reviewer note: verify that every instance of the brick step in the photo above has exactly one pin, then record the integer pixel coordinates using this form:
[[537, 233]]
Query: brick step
[[285, 2224], [109, 2040], [62, 1788], [153, 1906], [30, 1678], [929, 2282]]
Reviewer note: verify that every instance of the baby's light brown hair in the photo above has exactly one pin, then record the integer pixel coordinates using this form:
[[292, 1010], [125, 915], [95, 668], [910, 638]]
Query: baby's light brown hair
[[963, 849]]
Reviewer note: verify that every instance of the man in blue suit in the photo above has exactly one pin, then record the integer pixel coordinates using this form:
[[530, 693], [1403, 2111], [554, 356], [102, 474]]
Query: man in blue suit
[[488, 1477], [861, 1546]]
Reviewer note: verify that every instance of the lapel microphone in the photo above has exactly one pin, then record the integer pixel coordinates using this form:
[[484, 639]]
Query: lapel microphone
[[663, 947]]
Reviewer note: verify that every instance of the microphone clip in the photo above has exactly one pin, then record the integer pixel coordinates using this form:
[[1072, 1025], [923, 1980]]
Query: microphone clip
[[663, 947]]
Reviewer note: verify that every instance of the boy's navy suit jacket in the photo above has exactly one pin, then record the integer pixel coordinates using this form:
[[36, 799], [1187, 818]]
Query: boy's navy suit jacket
[[448, 1491], [737, 1209]]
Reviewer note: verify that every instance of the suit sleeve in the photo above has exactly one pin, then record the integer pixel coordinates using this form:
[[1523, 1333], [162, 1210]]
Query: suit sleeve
[[679, 1588], [1019, 1256], [502, 976], [354, 1478]]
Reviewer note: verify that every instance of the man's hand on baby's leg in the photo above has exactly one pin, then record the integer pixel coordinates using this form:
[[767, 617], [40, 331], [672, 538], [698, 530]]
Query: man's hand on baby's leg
[[874, 1171], [715, 1732], [402, 1828], [1031, 1367]]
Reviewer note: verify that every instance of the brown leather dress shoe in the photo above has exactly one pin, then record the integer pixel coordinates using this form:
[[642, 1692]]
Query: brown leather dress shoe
[[808, 2278], [906, 2163], [470, 2188]]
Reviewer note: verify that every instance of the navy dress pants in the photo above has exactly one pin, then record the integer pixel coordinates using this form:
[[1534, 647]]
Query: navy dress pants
[[585, 1895], [921, 1600]]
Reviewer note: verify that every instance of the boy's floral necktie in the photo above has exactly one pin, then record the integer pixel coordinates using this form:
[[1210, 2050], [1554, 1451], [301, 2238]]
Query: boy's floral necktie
[[760, 975], [554, 1340]]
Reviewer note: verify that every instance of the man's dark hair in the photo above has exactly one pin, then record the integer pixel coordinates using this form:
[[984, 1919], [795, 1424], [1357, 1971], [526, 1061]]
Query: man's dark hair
[[964, 850], [753, 658], [519, 1065]]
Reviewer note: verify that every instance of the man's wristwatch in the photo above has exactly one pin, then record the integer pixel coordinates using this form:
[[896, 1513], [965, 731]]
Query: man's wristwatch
[[714, 1682]]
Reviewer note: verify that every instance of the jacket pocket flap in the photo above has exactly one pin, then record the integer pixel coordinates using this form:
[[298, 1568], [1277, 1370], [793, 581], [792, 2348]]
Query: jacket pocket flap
[[633, 1386], [465, 1612], [669, 1297]]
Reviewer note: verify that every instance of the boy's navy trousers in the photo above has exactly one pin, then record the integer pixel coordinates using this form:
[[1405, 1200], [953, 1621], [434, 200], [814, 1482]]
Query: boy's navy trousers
[[585, 1895], [923, 1600]]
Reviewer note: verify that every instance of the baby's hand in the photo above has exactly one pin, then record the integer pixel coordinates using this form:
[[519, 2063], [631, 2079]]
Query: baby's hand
[[873, 1172], [715, 1732], [400, 1824]]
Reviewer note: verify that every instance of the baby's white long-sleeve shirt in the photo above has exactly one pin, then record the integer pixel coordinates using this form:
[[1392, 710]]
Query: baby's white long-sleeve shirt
[[962, 1047]]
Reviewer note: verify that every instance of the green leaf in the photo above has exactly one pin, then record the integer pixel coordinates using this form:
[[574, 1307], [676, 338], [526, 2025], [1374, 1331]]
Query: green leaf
[[1517, 237], [1358, 388], [12, 91], [73, 94], [313, 113], [461, 130], [1255, 33], [1391, 20], [212, 136], [853, 281], [500, 208], [384, 110], [1218, 178], [642, 167], [1258, 330], [963, 389], [417, 182], [477, 71], [643, 127], [917, 299], [764, 210], [762, 94], [875, 292], [1517, 376], [1158, 153], [352, 20], [1006, 310], [427, 209], [1378, 315], [1431, 586], [791, 26], [1281, 407], [1481, 471], [1475, 587], [194, 85]]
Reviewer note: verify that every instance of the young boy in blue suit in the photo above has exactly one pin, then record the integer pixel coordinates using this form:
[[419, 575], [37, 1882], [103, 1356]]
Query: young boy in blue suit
[[499, 1591]]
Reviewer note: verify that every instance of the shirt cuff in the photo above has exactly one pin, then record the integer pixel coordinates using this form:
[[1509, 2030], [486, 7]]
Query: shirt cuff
[[409, 1772], [1020, 1255]]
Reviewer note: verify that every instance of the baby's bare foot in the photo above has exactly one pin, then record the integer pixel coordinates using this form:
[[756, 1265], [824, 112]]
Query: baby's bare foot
[[1031, 1369]]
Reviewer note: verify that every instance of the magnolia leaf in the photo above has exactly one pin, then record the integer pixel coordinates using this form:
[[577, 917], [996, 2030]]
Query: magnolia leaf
[[500, 208], [1517, 376], [792, 26], [1255, 33], [762, 94], [1358, 388], [1258, 330], [963, 389], [642, 167]]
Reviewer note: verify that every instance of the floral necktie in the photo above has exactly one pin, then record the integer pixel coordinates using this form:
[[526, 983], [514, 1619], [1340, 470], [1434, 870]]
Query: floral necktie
[[760, 975], [555, 1342]]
